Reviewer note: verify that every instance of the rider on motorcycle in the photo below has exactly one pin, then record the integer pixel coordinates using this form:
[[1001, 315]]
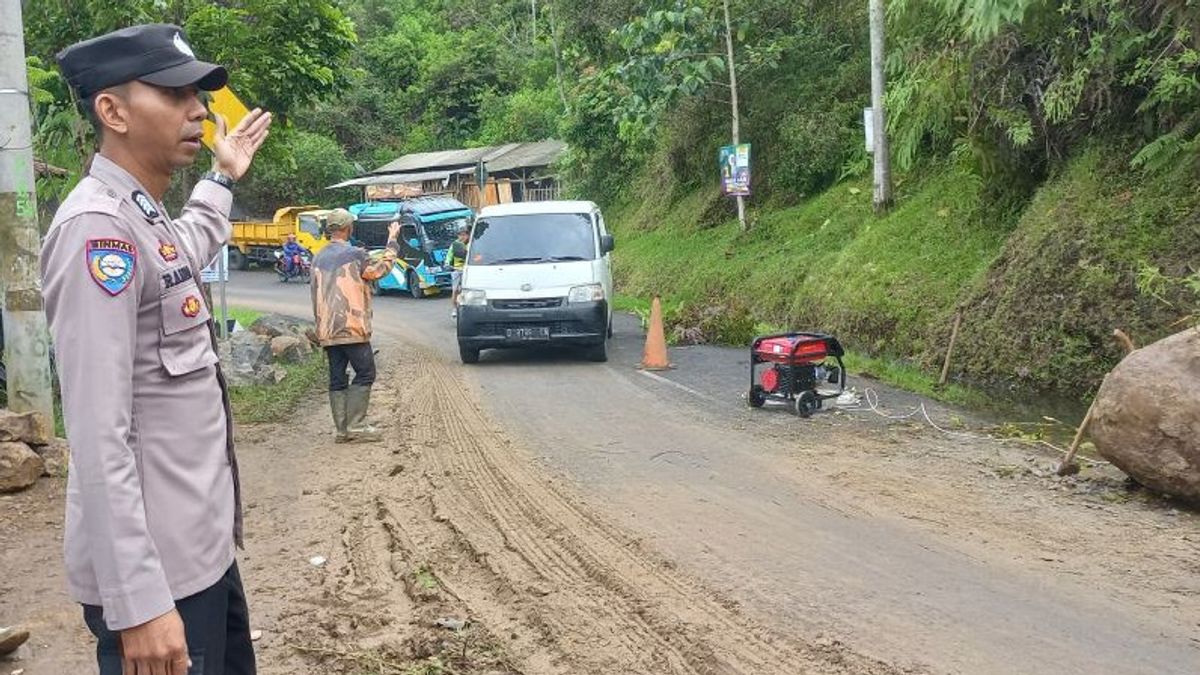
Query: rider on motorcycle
[[291, 254]]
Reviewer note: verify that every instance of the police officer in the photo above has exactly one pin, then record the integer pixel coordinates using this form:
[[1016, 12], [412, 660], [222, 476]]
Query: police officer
[[153, 499]]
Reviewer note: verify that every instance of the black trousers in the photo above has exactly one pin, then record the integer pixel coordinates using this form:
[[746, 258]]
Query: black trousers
[[358, 356], [215, 621]]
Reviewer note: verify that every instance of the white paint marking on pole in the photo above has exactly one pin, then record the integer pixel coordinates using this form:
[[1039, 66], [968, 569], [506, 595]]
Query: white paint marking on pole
[[869, 128]]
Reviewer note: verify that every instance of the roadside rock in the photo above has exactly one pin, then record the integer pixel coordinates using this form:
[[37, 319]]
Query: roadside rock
[[290, 349], [55, 455], [274, 325], [11, 638], [29, 428], [1146, 419], [246, 377], [20, 467], [247, 352]]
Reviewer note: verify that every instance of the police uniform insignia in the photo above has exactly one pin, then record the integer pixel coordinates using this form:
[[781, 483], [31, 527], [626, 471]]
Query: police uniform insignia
[[182, 46], [168, 251], [111, 263], [145, 205], [191, 306]]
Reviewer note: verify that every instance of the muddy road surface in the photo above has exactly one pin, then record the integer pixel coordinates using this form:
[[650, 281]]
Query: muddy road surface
[[589, 518]]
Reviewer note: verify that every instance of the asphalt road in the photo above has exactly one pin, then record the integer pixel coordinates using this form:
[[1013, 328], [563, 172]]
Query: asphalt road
[[678, 459]]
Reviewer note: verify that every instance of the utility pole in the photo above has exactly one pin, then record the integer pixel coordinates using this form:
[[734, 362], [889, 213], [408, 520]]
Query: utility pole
[[733, 91], [26, 341], [882, 198]]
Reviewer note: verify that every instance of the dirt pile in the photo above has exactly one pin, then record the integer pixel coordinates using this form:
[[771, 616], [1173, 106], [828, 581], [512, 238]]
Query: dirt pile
[[1147, 416]]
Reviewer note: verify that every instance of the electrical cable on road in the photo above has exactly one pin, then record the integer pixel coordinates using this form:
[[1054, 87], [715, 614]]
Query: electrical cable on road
[[871, 397]]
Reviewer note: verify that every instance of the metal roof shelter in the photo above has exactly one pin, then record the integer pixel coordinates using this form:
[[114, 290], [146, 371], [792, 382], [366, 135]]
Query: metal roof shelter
[[527, 156], [497, 158], [516, 172], [444, 159], [387, 178]]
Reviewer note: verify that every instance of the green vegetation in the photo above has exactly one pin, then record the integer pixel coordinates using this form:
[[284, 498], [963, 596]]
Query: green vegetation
[[244, 315], [911, 378], [276, 402], [1046, 151]]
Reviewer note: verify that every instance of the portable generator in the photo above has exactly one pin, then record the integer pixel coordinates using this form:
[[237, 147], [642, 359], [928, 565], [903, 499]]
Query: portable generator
[[793, 367]]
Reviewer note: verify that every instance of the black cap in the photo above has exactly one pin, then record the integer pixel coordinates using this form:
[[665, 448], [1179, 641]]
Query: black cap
[[154, 53]]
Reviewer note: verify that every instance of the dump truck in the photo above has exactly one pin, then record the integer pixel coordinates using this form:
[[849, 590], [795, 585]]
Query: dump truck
[[255, 241]]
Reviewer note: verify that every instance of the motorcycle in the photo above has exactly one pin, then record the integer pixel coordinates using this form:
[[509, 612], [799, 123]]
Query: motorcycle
[[301, 267]]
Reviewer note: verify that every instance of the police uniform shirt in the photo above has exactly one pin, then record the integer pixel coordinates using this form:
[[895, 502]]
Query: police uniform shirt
[[153, 509]]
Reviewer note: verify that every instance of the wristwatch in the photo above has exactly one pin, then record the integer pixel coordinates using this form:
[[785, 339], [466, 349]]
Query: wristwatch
[[220, 179]]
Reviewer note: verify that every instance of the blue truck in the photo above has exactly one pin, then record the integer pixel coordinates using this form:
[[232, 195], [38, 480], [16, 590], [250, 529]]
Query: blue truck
[[428, 225]]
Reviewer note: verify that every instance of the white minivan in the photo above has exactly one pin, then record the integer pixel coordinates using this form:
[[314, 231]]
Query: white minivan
[[537, 274]]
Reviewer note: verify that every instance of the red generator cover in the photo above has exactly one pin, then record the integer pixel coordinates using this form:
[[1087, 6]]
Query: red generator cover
[[779, 350]]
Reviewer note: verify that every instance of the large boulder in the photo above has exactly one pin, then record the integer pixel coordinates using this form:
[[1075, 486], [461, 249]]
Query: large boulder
[[20, 467], [274, 325], [30, 428], [1146, 418]]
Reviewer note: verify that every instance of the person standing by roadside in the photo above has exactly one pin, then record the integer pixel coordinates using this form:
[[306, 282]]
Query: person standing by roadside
[[342, 277], [456, 259], [153, 496]]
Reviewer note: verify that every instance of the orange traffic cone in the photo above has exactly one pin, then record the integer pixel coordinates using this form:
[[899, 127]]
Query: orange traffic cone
[[655, 355]]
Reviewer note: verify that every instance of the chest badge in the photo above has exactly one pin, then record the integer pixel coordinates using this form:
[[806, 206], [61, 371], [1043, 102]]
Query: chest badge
[[168, 251], [191, 306], [111, 263]]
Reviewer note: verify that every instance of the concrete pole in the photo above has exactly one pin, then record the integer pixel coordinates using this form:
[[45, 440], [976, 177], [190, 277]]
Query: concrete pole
[[733, 92], [882, 155], [26, 341]]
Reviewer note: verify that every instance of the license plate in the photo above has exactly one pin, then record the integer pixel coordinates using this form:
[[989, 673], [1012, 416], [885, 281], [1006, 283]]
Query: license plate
[[533, 333]]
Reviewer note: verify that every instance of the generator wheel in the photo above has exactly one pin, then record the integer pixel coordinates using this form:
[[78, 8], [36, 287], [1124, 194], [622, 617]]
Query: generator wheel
[[757, 396], [806, 404]]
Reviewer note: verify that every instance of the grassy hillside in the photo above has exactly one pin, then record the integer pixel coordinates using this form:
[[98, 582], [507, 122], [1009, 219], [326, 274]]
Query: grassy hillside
[[1099, 247], [1041, 284]]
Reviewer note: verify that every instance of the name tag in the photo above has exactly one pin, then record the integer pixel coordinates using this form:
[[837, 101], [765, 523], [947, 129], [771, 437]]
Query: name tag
[[176, 276]]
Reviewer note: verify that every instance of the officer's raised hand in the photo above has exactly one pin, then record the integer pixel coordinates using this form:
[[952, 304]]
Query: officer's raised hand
[[233, 151]]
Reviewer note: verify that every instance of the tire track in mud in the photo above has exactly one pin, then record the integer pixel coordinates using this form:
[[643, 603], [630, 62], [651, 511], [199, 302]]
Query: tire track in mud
[[598, 601]]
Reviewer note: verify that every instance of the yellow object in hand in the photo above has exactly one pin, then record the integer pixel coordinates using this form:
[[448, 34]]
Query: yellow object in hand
[[225, 103]]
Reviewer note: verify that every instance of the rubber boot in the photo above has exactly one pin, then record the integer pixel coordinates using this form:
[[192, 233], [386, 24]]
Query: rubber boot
[[337, 404], [358, 399]]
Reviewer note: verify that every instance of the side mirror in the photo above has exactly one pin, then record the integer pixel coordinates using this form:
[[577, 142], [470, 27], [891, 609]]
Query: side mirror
[[607, 244], [415, 243]]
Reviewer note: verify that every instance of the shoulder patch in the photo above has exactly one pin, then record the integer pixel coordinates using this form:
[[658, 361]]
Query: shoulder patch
[[90, 196], [145, 205], [111, 263]]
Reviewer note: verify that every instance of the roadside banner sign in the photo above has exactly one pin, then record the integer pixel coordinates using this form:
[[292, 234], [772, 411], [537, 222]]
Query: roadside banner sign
[[735, 170], [218, 269]]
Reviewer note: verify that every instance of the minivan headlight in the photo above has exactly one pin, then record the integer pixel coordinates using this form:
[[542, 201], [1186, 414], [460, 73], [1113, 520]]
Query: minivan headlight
[[588, 293], [472, 297]]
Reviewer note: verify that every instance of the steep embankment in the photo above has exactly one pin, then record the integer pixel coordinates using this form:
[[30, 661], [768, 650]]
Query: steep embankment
[[1040, 284]]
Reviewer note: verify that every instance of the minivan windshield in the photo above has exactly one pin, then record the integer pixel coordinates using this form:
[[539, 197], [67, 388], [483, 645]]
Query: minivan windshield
[[533, 238]]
